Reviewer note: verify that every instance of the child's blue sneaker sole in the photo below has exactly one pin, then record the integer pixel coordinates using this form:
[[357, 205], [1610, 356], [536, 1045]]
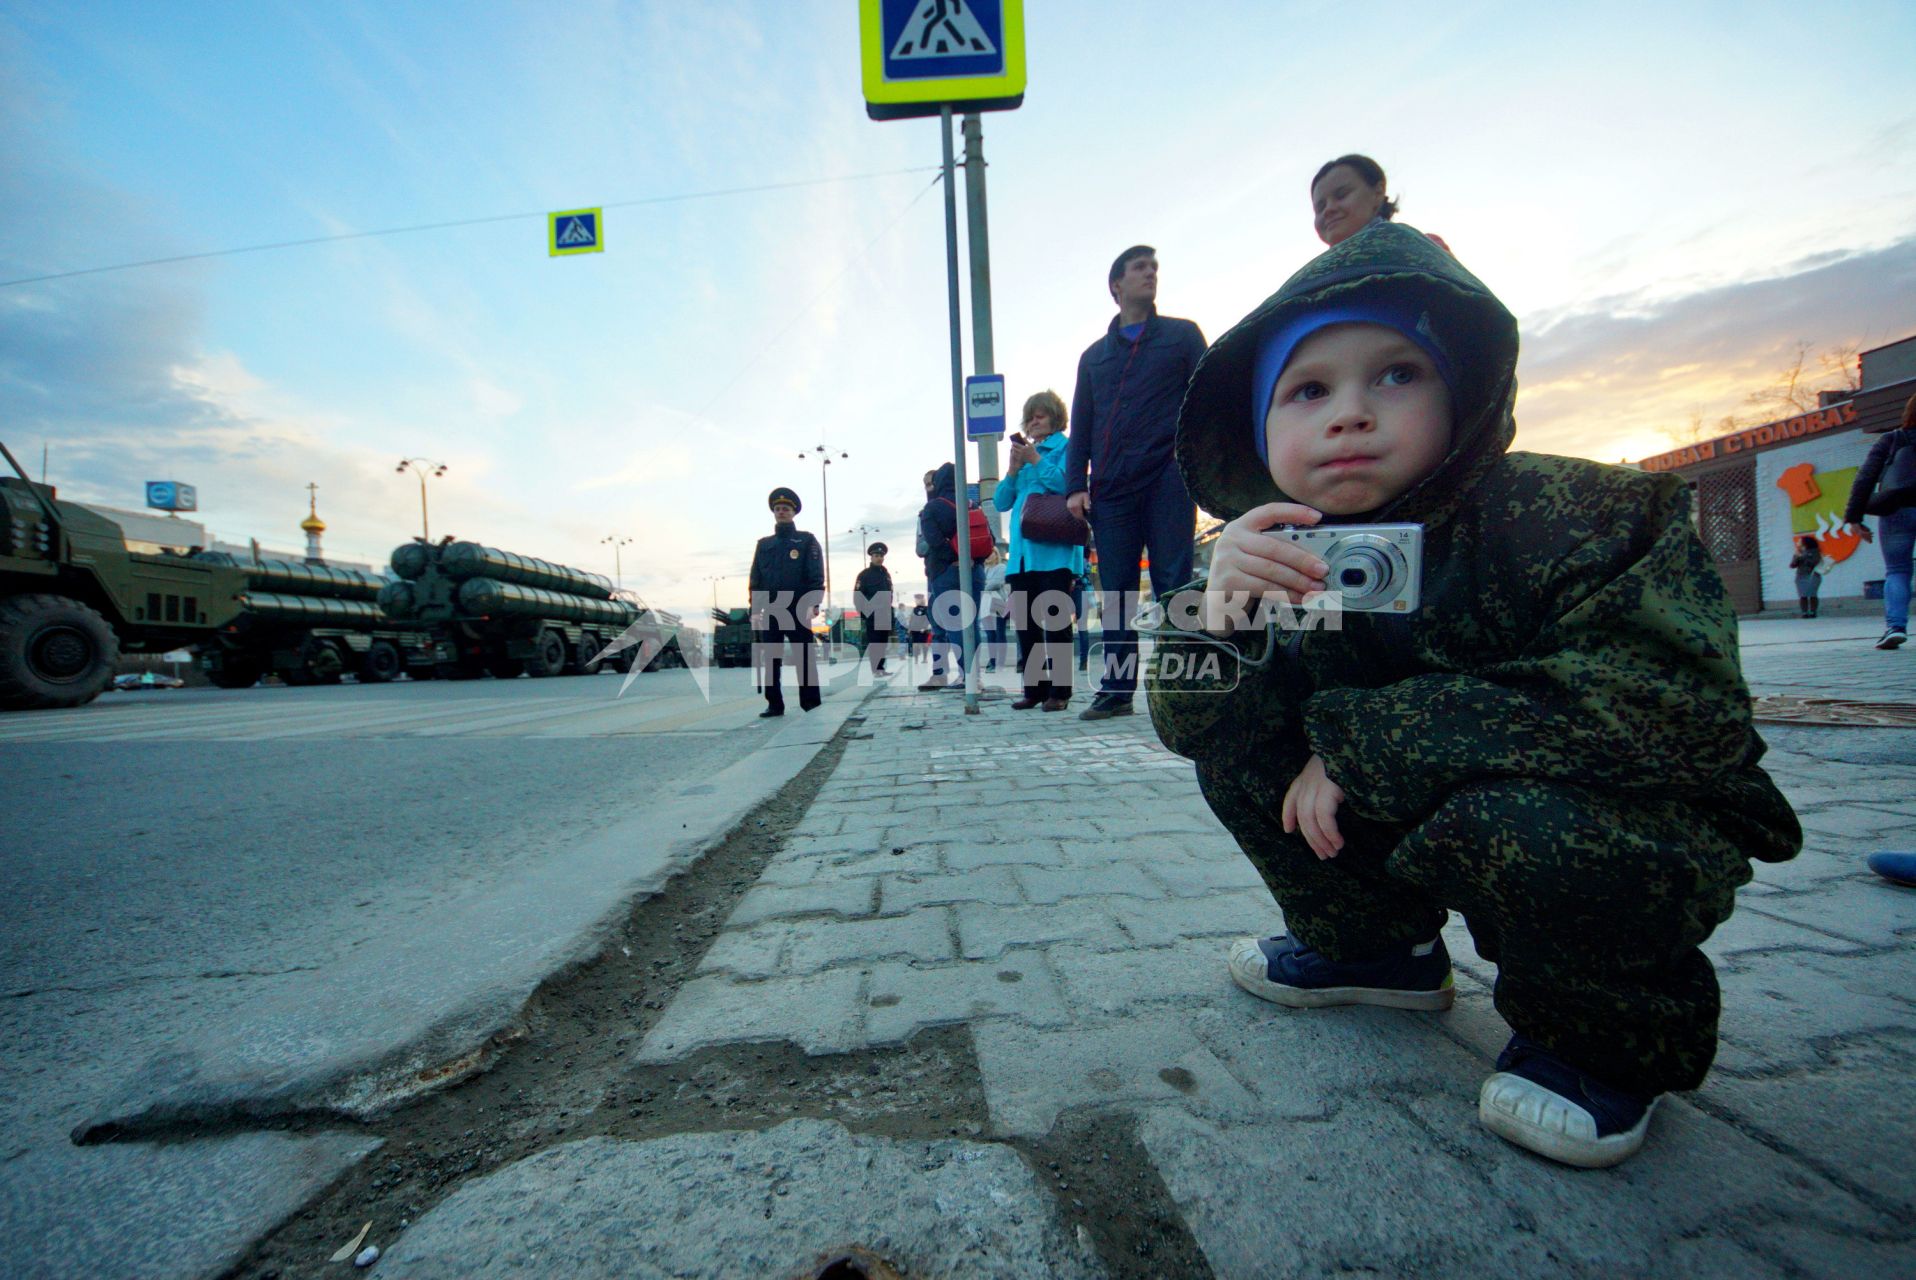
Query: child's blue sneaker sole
[[1537, 1119], [1250, 969]]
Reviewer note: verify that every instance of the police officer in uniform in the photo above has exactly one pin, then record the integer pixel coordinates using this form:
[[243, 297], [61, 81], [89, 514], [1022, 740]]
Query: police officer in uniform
[[874, 601], [787, 583]]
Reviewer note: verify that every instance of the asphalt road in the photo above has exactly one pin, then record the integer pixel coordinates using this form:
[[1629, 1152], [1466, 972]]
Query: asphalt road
[[202, 877]]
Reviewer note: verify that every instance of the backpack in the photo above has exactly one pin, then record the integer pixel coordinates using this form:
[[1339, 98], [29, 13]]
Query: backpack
[[982, 543]]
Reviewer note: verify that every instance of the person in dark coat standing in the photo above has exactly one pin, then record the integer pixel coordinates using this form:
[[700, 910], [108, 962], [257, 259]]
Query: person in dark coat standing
[[1898, 528], [938, 524], [872, 594], [1119, 471], [788, 582]]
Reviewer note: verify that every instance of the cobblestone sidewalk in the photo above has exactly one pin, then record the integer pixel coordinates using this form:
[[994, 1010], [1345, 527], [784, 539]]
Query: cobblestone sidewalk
[[1061, 889]]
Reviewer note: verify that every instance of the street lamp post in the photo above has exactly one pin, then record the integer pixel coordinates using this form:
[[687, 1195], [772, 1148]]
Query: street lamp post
[[825, 500], [715, 579], [618, 570], [421, 467]]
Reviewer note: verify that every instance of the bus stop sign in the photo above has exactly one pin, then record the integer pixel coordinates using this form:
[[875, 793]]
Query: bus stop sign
[[984, 405]]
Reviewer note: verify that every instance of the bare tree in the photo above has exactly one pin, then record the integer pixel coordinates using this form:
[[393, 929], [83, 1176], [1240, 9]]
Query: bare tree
[[1842, 366], [1696, 430], [1795, 388]]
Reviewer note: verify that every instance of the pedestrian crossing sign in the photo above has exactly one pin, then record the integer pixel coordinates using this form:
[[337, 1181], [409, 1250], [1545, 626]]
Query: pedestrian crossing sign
[[921, 56], [575, 231]]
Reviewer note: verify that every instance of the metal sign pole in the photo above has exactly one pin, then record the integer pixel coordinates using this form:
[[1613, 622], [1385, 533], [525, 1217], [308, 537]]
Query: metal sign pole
[[979, 253], [958, 418]]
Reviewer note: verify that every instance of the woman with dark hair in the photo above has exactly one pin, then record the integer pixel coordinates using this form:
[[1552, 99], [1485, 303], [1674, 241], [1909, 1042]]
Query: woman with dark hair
[[1808, 564], [1898, 526], [1348, 195]]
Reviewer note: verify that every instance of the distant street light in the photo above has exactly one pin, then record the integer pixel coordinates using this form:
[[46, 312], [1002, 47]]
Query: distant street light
[[825, 500], [421, 467], [715, 579], [616, 542]]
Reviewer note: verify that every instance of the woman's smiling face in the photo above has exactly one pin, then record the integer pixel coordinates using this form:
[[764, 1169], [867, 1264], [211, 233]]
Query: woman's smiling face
[[1342, 202], [1359, 416]]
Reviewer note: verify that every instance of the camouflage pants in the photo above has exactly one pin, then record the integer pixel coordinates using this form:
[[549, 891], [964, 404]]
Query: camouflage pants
[[1591, 905]]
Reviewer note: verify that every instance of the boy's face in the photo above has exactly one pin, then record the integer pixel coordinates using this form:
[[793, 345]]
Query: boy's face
[[1359, 416], [782, 513]]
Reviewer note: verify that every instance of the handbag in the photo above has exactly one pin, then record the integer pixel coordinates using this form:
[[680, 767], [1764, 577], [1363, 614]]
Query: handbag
[[1896, 486], [1047, 517]]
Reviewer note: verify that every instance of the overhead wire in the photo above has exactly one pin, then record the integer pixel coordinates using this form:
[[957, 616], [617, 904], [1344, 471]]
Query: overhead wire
[[804, 311], [679, 198]]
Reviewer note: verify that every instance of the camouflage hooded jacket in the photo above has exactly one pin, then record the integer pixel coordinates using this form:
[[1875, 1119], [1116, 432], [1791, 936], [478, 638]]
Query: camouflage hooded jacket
[[1573, 628]]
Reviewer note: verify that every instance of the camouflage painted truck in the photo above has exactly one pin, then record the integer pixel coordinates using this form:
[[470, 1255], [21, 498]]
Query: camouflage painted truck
[[73, 597], [313, 624], [731, 637], [502, 614]]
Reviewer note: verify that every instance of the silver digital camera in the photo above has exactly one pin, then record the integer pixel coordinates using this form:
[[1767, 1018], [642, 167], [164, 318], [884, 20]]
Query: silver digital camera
[[1374, 568]]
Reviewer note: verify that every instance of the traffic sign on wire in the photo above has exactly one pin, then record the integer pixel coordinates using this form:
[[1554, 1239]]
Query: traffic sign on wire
[[575, 231], [921, 56]]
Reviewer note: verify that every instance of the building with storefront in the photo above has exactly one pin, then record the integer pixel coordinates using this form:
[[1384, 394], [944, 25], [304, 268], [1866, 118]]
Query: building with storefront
[[1759, 489]]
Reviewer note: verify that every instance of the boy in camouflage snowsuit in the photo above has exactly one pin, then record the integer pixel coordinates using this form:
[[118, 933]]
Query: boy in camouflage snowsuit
[[1556, 744]]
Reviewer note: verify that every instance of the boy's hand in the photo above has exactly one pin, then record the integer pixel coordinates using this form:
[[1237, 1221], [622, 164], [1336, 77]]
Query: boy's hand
[[1310, 807], [1249, 565]]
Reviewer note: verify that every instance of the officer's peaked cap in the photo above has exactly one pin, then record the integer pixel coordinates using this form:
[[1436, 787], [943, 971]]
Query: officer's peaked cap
[[782, 494]]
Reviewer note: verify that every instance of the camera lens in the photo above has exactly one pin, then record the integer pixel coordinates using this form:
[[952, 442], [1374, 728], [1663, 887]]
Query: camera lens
[[1365, 569]]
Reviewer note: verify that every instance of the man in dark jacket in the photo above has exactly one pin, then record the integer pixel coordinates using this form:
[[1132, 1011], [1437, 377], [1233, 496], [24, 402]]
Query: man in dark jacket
[[872, 593], [938, 525], [1120, 473], [787, 582]]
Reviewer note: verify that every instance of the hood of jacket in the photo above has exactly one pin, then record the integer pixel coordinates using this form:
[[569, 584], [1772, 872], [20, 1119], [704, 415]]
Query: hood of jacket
[[1215, 448], [945, 483]]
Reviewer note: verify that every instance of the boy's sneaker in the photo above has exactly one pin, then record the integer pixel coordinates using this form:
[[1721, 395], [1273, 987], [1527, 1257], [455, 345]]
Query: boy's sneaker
[[1285, 971], [1106, 705], [1545, 1105], [1897, 868], [1894, 638]]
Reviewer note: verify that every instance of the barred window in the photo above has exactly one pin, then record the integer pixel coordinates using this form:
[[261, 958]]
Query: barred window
[[1726, 513]]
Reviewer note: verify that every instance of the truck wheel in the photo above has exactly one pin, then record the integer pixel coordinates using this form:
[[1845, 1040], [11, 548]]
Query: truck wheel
[[236, 671], [585, 655], [54, 652], [381, 663], [667, 656], [548, 658], [504, 668]]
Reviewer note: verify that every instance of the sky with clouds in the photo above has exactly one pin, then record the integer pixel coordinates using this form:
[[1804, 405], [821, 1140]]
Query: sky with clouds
[[1670, 197]]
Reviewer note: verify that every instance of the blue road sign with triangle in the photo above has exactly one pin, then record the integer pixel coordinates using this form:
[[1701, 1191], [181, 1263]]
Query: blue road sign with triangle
[[575, 231]]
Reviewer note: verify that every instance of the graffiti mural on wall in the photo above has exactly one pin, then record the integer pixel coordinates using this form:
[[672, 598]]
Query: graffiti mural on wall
[[1817, 500]]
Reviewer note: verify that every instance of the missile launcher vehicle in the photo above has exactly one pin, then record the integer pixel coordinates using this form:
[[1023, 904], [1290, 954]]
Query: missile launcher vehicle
[[731, 637], [73, 597], [506, 614], [313, 624]]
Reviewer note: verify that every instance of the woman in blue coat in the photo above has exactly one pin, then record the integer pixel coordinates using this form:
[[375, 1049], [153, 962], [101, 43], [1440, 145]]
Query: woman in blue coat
[[1040, 574]]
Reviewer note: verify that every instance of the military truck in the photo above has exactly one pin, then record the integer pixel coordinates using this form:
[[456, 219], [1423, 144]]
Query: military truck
[[504, 614], [72, 597], [731, 637], [314, 624]]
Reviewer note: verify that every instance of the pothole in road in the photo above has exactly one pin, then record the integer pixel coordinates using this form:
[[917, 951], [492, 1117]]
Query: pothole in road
[[570, 1076]]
